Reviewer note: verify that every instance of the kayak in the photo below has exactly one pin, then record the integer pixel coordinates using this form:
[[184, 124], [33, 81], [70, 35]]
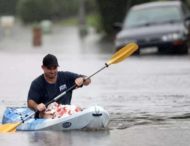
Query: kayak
[[93, 117]]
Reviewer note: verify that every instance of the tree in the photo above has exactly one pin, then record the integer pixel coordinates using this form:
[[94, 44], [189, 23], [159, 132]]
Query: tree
[[34, 10], [8, 7], [111, 11]]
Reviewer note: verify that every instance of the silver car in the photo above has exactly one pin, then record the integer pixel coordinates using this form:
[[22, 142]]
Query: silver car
[[165, 25]]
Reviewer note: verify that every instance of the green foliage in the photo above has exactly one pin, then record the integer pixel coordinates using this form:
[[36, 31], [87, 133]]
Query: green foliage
[[8, 7], [94, 21], [111, 11], [68, 22], [34, 10], [64, 8], [37, 10]]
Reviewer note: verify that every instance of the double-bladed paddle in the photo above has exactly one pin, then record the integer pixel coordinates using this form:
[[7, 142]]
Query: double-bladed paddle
[[119, 56]]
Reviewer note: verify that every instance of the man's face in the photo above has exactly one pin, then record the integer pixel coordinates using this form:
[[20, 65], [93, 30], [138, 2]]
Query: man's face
[[50, 72]]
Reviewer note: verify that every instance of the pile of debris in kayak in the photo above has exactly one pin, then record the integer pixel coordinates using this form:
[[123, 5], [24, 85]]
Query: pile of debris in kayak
[[55, 110]]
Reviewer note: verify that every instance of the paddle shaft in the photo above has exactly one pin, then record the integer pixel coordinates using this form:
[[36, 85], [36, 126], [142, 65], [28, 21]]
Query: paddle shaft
[[68, 90], [73, 87], [13, 127], [116, 58]]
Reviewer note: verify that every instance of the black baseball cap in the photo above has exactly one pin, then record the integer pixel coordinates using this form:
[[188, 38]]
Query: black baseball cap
[[50, 61]]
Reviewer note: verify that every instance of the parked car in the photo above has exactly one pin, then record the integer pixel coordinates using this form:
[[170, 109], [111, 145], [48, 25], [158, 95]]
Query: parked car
[[165, 25]]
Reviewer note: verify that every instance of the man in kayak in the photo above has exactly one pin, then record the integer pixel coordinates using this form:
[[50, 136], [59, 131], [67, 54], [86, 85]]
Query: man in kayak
[[52, 83]]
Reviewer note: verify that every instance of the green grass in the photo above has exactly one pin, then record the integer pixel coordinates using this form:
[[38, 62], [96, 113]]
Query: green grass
[[92, 20], [68, 21]]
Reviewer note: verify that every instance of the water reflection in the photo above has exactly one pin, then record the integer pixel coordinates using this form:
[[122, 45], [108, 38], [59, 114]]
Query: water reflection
[[67, 138]]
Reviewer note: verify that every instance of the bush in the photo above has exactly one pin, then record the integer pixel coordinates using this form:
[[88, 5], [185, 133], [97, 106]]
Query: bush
[[34, 10], [8, 7]]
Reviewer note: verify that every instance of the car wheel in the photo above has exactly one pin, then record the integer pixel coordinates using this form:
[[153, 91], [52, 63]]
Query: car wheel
[[182, 49], [137, 52], [162, 50]]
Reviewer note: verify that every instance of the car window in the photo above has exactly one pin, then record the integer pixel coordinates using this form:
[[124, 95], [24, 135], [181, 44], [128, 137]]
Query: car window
[[152, 15]]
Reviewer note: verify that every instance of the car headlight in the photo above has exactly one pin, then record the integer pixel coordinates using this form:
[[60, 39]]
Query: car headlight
[[173, 36]]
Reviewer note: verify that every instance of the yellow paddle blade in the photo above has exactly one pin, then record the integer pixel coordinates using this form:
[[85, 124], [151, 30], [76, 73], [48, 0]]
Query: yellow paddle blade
[[9, 127], [123, 53]]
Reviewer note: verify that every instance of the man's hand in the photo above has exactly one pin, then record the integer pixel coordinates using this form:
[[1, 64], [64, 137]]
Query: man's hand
[[79, 81], [41, 107], [82, 81]]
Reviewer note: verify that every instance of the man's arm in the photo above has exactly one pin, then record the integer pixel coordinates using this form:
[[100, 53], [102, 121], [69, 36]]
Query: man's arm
[[82, 81], [36, 107]]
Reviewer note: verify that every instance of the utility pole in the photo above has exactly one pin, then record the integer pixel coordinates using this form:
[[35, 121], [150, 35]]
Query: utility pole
[[82, 18]]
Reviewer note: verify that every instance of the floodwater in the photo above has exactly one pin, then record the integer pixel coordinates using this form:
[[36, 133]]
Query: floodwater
[[147, 96]]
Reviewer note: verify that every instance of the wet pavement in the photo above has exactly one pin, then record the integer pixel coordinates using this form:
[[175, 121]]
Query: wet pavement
[[147, 96]]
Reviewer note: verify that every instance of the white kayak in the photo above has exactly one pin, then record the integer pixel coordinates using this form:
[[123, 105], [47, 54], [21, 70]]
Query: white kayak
[[94, 117]]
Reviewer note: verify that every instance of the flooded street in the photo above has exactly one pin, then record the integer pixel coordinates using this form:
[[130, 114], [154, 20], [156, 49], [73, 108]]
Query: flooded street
[[147, 96]]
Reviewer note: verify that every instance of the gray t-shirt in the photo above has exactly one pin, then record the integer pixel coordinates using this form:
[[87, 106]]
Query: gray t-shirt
[[42, 92]]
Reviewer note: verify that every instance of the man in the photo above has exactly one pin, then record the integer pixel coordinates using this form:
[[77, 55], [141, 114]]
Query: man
[[51, 84]]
